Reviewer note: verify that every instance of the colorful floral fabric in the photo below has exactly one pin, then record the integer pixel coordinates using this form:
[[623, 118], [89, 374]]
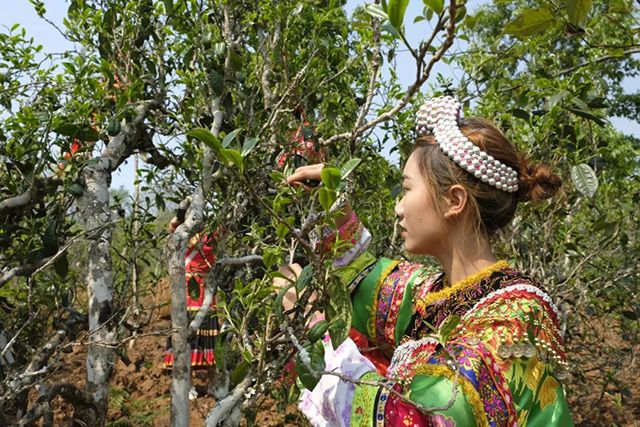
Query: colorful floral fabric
[[348, 242], [504, 360], [330, 402]]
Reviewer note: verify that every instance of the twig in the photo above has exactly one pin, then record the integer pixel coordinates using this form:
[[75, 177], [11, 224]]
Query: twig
[[33, 269], [290, 89], [13, 339], [375, 69]]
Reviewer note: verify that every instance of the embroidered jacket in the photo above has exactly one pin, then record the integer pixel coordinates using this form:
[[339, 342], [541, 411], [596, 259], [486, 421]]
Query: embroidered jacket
[[505, 358]]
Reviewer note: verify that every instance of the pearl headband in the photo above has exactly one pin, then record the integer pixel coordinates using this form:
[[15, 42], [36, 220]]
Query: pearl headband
[[440, 117]]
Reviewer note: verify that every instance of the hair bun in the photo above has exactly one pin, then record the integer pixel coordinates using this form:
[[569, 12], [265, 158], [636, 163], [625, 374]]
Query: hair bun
[[536, 182]]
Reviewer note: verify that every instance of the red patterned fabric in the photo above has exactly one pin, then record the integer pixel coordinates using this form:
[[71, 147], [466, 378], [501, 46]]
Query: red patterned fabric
[[198, 261], [397, 413], [379, 360]]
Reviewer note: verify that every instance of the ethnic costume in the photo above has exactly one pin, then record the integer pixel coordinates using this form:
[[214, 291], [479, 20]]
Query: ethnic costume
[[505, 357], [198, 261]]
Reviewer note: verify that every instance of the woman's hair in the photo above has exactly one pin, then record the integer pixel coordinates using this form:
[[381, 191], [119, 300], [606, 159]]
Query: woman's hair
[[493, 209]]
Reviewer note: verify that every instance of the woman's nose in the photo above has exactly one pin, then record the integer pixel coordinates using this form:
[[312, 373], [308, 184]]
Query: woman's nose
[[399, 210]]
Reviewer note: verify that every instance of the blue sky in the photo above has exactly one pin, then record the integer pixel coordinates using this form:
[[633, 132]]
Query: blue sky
[[21, 12]]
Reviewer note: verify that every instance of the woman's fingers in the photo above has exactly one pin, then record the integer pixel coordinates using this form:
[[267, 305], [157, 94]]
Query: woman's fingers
[[311, 173]]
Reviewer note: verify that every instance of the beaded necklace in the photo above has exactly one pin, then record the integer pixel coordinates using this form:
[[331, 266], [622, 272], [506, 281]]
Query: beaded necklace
[[460, 286]]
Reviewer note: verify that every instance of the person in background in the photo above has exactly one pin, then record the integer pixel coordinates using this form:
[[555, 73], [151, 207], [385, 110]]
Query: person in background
[[198, 260]]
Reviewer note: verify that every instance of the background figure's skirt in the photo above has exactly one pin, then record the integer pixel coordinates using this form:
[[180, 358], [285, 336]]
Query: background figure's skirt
[[201, 346]]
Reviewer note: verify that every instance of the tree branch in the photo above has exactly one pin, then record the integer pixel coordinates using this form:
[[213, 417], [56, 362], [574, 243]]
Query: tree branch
[[16, 203], [222, 410], [599, 60], [375, 71], [411, 90]]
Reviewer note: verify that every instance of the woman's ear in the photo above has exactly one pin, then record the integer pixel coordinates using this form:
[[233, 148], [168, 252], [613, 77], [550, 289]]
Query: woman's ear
[[456, 198]]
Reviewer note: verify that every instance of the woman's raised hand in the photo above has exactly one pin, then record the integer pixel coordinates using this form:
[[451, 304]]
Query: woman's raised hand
[[311, 173]]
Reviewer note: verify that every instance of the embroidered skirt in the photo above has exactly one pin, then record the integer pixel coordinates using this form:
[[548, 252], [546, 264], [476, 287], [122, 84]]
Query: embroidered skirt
[[202, 344]]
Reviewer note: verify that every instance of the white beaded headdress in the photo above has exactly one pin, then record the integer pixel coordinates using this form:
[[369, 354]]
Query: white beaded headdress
[[439, 116]]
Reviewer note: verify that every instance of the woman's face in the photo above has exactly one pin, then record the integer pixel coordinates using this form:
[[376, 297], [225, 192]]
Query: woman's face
[[424, 227]]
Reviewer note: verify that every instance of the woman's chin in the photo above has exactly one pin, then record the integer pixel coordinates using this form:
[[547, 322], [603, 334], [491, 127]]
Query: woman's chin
[[409, 247]]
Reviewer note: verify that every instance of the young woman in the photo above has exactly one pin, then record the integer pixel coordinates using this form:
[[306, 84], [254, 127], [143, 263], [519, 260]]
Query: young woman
[[504, 363]]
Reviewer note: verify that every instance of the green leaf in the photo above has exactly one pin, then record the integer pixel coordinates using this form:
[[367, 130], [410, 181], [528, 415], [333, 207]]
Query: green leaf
[[587, 115], [61, 266], [448, 326], [600, 224], [248, 146], [193, 288], [376, 11], [348, 167], [270, 257], [83, 132], [235, 61], [278, 177], [388, 26], [305, 277], [220, 349], [280, 298], [87, 133], [521, 114], [435, 5], [578, 11], [327, 198], [232, 156], [530, 22], [585, 179], [113, 127], [316, 356], [338, 312], [460, 14], [208, 138], [282, 230], [317, 331], [75, 189], [330, 177], [230, 137], [50, 240], [396, 10], [66, 129], [217, 83], [239, 372]]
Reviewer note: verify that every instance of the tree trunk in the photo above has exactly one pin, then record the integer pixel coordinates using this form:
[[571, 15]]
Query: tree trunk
[[94, 207], [181, 373]]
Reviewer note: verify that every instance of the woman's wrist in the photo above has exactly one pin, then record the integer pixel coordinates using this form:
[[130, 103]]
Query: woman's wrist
[[343, 219]]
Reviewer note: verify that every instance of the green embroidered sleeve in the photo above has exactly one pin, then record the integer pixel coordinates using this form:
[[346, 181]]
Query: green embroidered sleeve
[[382, 300]]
